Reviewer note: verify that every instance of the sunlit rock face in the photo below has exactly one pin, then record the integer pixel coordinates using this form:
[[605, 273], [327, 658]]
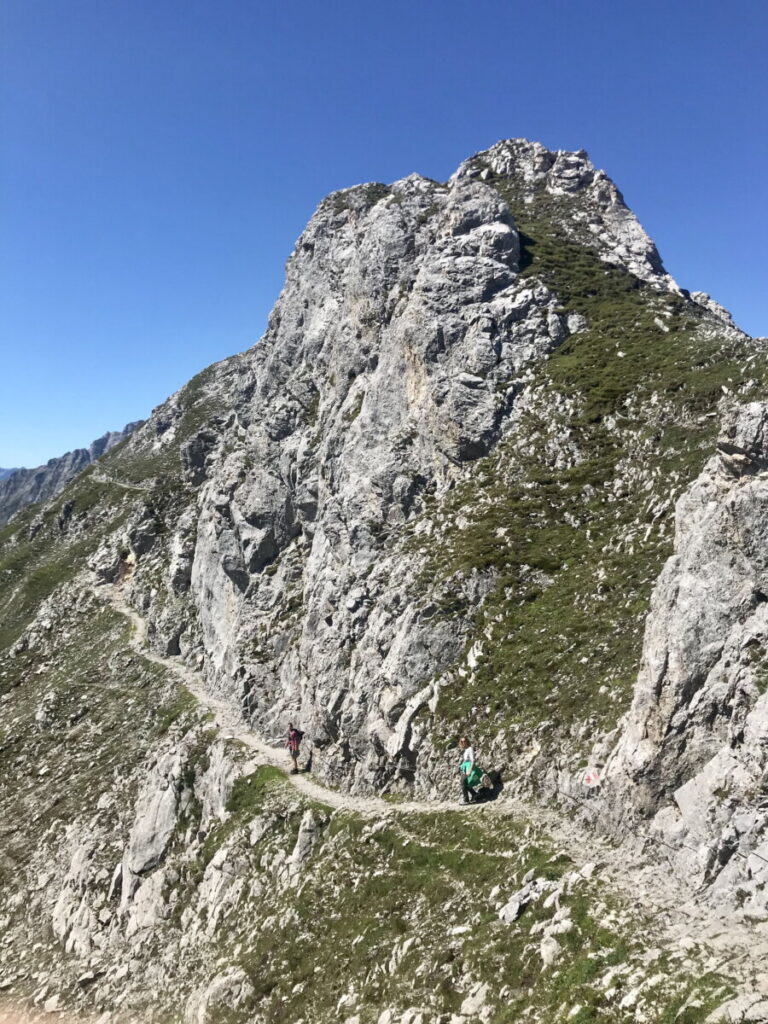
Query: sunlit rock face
[[392, 361], [601, 218], [693, 746]]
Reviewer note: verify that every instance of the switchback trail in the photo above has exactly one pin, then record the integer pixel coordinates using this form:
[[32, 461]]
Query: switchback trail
[[733, 947]]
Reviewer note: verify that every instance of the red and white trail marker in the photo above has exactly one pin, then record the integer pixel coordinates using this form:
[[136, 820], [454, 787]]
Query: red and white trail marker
[[591, 778]]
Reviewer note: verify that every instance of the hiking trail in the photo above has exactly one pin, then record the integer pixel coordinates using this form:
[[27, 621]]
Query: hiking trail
[[103, 478], [733, 947]]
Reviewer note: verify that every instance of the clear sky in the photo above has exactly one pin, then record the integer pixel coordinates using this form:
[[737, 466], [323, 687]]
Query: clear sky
[[160, 157]]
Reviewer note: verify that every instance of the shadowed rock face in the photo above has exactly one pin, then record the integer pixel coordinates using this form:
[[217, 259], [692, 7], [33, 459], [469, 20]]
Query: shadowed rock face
[[22, 487]]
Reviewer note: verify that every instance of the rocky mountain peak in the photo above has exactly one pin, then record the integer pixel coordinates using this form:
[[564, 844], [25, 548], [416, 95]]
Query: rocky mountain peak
[[436, 499], [588, 206], [557, 171], [22, 487], [102, 444]]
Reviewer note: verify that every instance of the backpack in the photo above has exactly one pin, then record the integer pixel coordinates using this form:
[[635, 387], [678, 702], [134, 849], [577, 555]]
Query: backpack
[[473, 772]]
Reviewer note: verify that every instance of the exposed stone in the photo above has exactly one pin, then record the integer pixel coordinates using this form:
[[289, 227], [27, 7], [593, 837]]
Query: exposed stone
[[266, 556], [698, 725], [612, 227], [229, 992]]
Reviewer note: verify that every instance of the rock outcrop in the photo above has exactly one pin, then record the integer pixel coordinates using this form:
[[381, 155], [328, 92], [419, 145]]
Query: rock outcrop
[[434, 499], [694, 746], [412, 338], [392, 361], [602, 219]]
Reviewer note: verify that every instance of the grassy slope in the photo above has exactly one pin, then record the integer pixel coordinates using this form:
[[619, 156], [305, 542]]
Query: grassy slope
[[77, 716], [572, 514], [45, 546], [404, 914]]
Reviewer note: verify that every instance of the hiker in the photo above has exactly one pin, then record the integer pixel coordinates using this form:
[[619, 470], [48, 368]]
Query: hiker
[[293, 743], [470, 773]]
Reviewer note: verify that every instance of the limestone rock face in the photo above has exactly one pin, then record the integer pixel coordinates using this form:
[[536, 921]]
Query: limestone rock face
[[156, 815], [694, 744], [400, 353], [392, 360], [228, 992], [433, 499], [713, 306]]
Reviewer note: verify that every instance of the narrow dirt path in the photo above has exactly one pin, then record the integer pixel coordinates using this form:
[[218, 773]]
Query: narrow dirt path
[[104, 478], [731, 946], [232, 726]]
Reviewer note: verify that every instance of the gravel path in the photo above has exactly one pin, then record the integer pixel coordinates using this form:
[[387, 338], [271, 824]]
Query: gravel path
[[104, 478], [737, 948]]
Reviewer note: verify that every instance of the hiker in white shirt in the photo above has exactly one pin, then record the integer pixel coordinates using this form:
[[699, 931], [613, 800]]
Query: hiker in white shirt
[[469, 773]]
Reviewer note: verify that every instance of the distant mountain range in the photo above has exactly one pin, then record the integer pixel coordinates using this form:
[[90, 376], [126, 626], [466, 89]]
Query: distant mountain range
[[22, 487]]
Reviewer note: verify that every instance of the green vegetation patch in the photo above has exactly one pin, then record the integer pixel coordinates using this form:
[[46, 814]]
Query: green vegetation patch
[[571, 516], [403, 912], [365, 195], [182, 705], [78, 711], [43, 548], [249, 791]]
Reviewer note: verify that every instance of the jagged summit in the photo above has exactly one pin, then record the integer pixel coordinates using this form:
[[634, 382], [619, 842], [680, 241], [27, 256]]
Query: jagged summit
[[558, 185], [570, 183]]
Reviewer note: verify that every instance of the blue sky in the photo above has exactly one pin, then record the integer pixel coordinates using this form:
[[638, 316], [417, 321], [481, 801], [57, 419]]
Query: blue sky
[[160, 157]]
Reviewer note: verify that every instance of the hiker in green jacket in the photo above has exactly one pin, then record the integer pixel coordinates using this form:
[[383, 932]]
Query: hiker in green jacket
[[470, 773]]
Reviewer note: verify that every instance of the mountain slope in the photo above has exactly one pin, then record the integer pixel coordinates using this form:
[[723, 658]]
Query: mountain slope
[[407, 345], [434, 499]]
